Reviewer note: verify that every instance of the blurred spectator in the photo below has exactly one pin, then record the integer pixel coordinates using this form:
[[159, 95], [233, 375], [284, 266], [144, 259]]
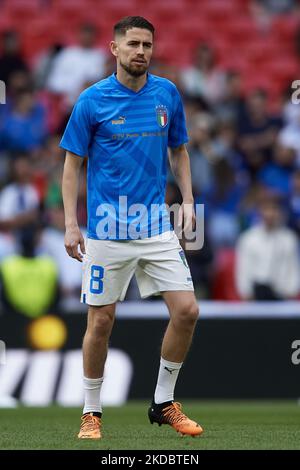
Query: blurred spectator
[[240, 153], [52, 244], [250, 204], [200, 263], [75, 65], [277, 174], [44, 64], [7, 245], [35, 278], [19, 203], [204, 78], [263, 12], [277, 6], [258, 131], [289, 136], [231, 105], [11, 59], [203, 151], [19, 81], [193, 105], [225, 141], [261, 16], [23, 126], [222, 204], [171, 72], [294, 203], [268, 266], [48, 165]]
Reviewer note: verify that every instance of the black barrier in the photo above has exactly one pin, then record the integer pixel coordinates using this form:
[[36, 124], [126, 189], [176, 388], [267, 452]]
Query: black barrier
[[229, 358]]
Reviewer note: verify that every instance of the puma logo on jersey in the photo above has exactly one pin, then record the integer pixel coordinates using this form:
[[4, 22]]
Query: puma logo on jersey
[[121, 120]]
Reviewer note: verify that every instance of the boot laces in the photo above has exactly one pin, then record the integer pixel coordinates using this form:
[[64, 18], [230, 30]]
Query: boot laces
[[174, 414], [89, 422]]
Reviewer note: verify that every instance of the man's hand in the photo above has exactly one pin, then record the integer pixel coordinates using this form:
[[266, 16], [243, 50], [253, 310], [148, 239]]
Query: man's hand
[[186, 219], [73, 238]]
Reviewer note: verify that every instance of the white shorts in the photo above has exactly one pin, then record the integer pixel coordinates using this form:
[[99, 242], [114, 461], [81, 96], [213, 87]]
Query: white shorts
[[158, 263]]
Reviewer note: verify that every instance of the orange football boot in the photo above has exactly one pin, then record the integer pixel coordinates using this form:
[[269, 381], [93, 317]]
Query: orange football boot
[[173, 416], [90, 427]]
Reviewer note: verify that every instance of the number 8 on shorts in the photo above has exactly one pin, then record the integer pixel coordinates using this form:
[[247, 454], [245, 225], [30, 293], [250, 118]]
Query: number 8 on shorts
[[96, 282]]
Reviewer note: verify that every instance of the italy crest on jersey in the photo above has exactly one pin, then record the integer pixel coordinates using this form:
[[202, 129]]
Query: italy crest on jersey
[[162, 115]]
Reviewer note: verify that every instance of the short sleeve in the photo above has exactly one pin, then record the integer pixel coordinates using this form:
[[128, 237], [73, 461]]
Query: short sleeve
[[177, 130], [78, 132]]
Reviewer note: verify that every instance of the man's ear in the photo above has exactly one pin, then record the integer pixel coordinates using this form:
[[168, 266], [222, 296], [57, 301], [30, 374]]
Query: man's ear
[[114, 48]]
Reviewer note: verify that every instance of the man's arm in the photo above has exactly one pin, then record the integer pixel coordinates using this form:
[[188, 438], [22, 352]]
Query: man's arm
[[180, 166], [70, 185]]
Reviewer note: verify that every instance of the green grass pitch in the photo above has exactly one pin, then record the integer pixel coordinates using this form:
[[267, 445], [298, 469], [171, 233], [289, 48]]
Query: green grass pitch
[[227, 425]]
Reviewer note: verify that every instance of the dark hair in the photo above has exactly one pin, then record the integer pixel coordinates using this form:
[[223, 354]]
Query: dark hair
[[130, 22], [28, 238]]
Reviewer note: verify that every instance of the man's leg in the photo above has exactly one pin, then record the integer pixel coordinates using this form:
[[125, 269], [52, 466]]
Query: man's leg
[[184, 313], [95, 343], [95, 346]]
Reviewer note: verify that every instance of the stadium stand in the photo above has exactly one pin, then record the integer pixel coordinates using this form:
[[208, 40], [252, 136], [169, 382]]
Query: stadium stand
[[251, 48]]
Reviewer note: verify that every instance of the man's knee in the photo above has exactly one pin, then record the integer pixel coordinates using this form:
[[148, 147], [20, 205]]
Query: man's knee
[[100, 320], [186, 315]]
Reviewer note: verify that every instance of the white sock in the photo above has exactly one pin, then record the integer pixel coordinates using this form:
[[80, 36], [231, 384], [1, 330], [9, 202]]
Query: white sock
[[167, 377], [92, 388]]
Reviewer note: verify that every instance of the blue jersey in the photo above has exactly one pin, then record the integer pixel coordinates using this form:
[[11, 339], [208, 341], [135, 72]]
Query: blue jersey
[[125, 135]]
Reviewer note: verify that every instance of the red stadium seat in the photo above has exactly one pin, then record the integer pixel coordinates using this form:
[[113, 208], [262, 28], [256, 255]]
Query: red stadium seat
[[180, 24], [20, 11], [224, 287], [242, 28], [283, 69], [112, 12], [41, 33], [16, 6], [6, 22], [225, 9], [70, 9], [285, 26]]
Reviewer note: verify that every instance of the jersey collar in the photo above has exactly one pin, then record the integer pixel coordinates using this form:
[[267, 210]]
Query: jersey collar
[[129, 90]]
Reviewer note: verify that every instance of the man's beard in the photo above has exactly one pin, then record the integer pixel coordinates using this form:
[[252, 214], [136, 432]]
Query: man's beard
[[134, 72]]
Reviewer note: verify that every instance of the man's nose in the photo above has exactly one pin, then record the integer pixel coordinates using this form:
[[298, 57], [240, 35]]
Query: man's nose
[[141, 50]]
